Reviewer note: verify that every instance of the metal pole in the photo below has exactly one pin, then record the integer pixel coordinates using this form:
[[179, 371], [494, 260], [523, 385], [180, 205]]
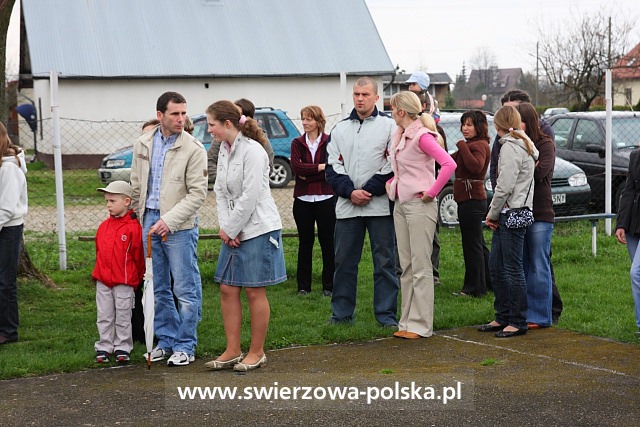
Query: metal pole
[[57, 158], [344, 110], [607, 151]]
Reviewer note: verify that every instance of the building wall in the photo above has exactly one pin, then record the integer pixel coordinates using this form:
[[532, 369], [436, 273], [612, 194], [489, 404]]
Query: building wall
[[130, 102], [619, 97]]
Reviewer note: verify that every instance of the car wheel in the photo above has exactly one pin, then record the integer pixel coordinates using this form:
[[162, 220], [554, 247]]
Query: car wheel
[[447, 207], [281, 174]]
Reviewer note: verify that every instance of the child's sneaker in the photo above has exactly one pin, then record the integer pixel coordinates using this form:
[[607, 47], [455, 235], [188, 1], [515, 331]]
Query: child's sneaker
[[157, 354], [122, 356], [102, 356], [180, 358]]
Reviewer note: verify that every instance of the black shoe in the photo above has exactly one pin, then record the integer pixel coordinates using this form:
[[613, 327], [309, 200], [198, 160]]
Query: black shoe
[[302, 293], [327, 293], [509, 334], [7, 340], [491, 328]]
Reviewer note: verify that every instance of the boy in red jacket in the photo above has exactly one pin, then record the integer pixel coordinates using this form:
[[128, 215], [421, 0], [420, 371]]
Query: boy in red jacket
[[119, 269]]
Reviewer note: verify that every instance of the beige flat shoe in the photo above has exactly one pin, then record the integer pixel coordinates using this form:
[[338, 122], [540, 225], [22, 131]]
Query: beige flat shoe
[[217, 365], [244, 367]]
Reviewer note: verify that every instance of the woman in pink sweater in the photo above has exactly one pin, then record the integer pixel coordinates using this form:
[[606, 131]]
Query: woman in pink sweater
[[415, 150]]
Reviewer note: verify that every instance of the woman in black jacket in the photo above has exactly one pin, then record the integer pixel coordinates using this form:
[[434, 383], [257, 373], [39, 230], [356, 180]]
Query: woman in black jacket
[[628, 226]]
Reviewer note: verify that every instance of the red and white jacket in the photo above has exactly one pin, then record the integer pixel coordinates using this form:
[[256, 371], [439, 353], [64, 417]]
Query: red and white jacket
[[119, 251]]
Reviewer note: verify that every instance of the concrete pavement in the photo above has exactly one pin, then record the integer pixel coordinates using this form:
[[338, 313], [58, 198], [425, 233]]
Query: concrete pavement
[[549, 377]]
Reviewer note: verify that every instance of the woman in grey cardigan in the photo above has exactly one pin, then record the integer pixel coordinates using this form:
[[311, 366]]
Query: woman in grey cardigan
[[514, 189]]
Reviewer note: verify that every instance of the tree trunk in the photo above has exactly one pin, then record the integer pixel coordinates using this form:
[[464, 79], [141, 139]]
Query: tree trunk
[[27, 269], [6, 6]]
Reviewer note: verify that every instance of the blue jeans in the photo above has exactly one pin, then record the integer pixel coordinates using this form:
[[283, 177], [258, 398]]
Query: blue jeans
[[507, 275], [349, 241], [11, 244], [537, 271], [632, 246], [175, 327]]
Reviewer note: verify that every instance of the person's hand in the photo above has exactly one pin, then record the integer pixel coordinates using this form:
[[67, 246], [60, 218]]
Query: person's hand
[[620, 235], [360, 197], [159, 228], [492, 224], [232, 243], [321, 167], [426, 198]]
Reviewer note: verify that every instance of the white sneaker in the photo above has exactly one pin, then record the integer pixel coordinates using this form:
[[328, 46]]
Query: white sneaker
[[180, 358], [157, 354]]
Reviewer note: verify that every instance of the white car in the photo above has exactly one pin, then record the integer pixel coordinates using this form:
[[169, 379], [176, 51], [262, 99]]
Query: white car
[[553, 111]]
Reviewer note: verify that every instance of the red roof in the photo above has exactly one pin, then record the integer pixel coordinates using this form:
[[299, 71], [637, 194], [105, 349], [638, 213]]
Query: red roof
[[470, 103], [628, 66]]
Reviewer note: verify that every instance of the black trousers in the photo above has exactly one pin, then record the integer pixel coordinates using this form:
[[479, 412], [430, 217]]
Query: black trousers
[[476, 254], [307, 215], [11, 244]]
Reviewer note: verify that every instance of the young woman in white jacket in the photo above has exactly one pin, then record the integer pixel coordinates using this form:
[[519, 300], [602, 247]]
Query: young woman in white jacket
[[251, 256], [13, 208]]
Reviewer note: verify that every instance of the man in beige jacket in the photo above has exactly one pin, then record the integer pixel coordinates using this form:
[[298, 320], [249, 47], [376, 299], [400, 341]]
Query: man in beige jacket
[[169, 180]]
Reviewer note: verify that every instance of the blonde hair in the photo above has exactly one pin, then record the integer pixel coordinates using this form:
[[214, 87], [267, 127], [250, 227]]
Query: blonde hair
[[410, 103], [507, 119], [188, 125]]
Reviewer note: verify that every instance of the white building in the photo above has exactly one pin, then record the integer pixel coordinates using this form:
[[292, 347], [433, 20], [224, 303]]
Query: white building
[[114, 58]]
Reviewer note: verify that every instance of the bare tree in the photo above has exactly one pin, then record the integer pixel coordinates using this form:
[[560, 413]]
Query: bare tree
[[577, 55], [484, 60], [26, 267]]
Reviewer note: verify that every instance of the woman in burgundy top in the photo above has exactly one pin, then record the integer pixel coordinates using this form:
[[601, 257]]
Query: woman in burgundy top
[[472, 159], [314, 202]]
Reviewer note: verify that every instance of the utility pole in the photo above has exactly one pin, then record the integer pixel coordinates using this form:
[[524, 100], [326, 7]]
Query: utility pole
[[537, 71], [609, 46]]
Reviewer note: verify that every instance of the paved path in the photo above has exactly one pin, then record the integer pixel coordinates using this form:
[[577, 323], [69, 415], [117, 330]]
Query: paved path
[[549, 377]]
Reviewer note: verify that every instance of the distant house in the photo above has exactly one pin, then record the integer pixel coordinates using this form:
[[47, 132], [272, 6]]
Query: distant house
[[439, 87], [493, 82], [626, 78], [114, 59]]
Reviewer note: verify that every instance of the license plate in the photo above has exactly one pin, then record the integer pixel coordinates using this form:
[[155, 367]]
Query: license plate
[[559, 199]]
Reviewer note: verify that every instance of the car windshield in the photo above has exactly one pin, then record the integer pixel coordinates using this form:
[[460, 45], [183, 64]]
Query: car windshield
[[451, 126], [626, 132]]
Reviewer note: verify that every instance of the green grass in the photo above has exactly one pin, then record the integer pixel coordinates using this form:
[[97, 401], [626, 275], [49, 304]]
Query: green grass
[[57, 326], [79, 186]]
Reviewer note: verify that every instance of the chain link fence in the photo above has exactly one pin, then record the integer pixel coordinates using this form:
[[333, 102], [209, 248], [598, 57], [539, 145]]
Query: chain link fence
[[84, 145], [578, 184]]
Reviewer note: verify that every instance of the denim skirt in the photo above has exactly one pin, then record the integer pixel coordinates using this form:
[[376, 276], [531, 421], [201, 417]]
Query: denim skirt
[[255, 263]]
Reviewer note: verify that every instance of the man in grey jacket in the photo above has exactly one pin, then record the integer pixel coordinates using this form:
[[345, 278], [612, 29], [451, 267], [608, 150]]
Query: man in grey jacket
[[169, 181], [358, 168]]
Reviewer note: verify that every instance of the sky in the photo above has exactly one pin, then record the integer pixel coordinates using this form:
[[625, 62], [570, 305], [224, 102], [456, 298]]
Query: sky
[[438, 36]]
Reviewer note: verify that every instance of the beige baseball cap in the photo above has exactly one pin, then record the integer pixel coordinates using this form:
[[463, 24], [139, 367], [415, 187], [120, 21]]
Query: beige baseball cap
[[118, 187]]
